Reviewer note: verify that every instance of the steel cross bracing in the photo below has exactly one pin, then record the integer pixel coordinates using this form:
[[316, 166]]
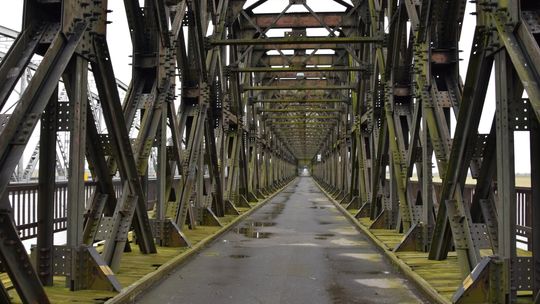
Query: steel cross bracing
[[25, 172], [401, 116], [230, 117], [195, 142]]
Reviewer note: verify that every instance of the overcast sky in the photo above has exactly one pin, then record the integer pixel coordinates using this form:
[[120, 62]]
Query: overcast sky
[[120, 48]]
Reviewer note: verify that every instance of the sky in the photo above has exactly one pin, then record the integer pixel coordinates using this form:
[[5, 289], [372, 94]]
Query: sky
[[120, 49]]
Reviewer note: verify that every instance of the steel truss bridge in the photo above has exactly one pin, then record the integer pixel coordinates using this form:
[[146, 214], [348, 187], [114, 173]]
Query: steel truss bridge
[[227, 112]]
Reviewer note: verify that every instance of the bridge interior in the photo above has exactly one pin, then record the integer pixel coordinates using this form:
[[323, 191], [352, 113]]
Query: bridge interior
[[229, 102], [297, 248]]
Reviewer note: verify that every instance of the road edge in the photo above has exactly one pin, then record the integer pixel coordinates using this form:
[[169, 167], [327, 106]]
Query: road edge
[[420, 282], [131, 292]]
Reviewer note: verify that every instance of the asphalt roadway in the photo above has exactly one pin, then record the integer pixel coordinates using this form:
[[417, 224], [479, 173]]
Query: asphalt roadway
[[298, 248]]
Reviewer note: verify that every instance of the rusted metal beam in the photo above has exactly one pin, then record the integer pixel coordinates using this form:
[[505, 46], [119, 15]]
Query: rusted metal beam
[[298, 69], [298, 88], [298, 41], [301, 138], [311, 76], [301, 20], [302, 117], [299, 128], [299, 110], [315, 59], [301, 100], [319, 84], [303, 134], [305, 123]]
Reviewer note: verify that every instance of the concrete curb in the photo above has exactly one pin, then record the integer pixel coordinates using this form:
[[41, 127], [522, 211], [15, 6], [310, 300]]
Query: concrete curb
[[131, 292], [422, 284]]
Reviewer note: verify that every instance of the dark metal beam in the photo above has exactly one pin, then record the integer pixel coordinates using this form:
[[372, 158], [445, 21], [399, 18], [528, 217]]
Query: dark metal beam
[[301, 20], [297, 69], [301, 100], [47, 187], [302, 117], [291, 41], [297, 88], [304, 123], [299, 110]]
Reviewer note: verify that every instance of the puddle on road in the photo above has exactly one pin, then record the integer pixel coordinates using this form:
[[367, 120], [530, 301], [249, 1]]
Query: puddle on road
[[277, 209], [262, 224], [324, 223], [317, 207], [376, 272], [337, 293], [325, 234], [239, 256], [250, 232]]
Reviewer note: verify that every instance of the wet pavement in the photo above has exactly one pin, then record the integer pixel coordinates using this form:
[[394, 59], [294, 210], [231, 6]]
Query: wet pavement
[[298, 248]]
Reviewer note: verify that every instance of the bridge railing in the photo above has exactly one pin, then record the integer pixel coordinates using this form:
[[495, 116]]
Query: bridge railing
[[24, 200], [523, 210], [524, 216]]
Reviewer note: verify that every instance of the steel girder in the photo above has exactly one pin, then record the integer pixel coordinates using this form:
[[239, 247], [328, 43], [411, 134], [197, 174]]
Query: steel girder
[[392, 101], [400, 118], [71, 37]]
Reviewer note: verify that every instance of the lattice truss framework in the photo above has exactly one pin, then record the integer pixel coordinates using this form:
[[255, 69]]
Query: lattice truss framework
[[401, 115], [206, 149], [253, 107]]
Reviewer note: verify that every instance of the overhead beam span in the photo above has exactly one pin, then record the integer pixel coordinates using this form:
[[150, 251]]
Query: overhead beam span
[[287, 60], [298, 69], [299, 110], [297, 88], [304, 123], [301, 100], [301, 20], [333, 41]]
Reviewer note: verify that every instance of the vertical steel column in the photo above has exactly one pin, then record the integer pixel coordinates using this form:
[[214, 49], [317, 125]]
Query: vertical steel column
[[47, 184], [427, 186], [77, 73], [162, 166], [210, 142], [507, 94]]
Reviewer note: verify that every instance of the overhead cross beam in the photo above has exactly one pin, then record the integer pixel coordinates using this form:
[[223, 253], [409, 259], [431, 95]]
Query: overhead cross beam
[[298, 69], [309, 100], [297, 88], [301, 20], [297, 110], [293, 42]]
